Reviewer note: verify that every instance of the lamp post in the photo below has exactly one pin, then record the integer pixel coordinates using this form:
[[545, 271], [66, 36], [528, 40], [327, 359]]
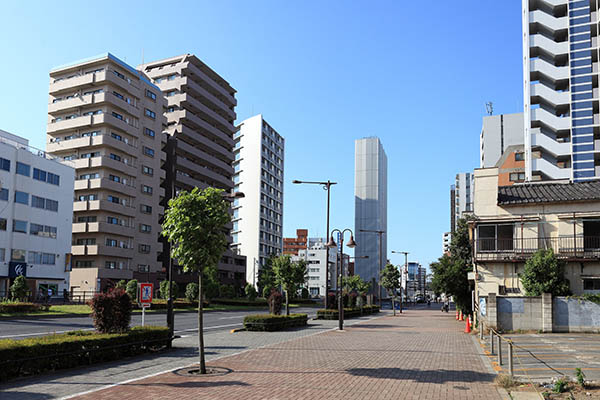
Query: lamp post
[[170, 313], [325, 186], [380, 234], [331, 244], [405, 272]]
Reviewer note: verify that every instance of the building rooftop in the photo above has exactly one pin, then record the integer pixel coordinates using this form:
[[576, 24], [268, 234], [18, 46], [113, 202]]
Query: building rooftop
[[533, 193]]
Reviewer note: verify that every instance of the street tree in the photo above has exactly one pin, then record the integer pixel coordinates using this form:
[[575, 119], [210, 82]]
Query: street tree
[[390, 280], [266, 278], [195, 225], [19, 288], [544, 273], [290, 275], [132, 288]]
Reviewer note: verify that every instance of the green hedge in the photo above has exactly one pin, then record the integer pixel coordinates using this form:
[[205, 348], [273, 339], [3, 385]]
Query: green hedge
[[270, 322], [20, 307], [348, 312], [33, 356], [240, 302]]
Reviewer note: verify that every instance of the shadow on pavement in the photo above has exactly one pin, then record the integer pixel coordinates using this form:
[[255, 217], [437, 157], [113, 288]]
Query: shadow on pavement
[[25, 396], [375, 326], [418, 375]]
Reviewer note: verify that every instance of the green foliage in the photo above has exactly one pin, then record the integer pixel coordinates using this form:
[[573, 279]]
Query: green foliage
[[390, 278], [227, 291], [594, 298], [164, 289], [355, 283], [191, 292], [348, 312], [580, 377], [111, 311], [210, 284], [275, 301], [17, 307], [544, 273], [122, 284], [37, 355], [270, 322], [266, 277], [251, 292], [450, 271], [289, 275], [132, 289], [266, 292], [19, 288], [560, 385], [304, 293]]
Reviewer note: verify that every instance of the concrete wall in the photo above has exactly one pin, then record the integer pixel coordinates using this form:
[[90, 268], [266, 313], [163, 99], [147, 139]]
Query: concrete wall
[[516, 313], [573, 315]]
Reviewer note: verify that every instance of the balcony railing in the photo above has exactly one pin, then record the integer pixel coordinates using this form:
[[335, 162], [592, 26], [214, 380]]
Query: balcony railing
[[567, 247]]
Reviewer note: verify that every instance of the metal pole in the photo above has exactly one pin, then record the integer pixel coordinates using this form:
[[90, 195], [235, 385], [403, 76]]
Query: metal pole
[[491, 341], [380, 266], [143, 314], [499, 350], [327, 248], [340, 301], [406, 272], [510, 359]]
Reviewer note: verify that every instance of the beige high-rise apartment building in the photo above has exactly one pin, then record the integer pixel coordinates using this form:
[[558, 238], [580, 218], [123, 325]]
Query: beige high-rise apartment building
[[200, 125], [107, 118]]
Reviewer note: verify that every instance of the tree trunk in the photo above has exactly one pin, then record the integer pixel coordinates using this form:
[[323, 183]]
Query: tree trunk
[[393, 305], [201, 327], [287, 303]]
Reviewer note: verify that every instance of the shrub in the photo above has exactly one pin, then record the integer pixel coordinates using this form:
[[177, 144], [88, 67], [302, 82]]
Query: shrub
[[111, 311], [132, 289], [122, 284], [37, 355], [10, 307], [19, 289], [351, 300], [305, 294], [269, 322], [580, 377], [192, 291], [164, 289], [544, 273], [275, 302], [506, 381], [267, 291], [560, 386], [210, 289], [227, 291], [251, 293]]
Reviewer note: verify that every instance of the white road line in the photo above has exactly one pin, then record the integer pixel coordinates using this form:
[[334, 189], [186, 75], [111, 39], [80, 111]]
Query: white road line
[[237, 316], [209, 327], [45, 333]]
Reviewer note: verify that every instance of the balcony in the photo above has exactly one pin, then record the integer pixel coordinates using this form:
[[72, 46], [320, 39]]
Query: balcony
[[65, 145], [107, 162], [106, 140], [519, 250], [68, 124], [104, 205], [205, 157], [203, 126], [197, 136], [193, 86], [187, 101]]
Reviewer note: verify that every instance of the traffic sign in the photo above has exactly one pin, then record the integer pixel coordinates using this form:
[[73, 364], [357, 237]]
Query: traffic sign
[[146, 290]]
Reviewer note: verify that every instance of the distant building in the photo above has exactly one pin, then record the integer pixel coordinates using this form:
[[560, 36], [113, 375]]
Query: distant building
[[446, 242], [511, 166], [452, 208], [36, 217], [315, 257], [498, 133], [463, 195], [291, 246]]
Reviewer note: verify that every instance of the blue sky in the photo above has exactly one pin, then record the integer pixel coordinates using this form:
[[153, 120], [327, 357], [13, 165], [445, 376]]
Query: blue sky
[[323, 73]]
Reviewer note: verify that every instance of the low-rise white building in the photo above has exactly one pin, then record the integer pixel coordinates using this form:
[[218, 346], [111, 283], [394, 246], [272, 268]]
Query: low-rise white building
[[36, 216], [315, 257]]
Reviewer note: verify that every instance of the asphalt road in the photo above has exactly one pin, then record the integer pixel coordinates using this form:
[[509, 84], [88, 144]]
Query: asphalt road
[[186, 323]]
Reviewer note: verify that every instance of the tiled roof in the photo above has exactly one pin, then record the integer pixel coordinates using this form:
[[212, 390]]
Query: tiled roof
[[533, 193]]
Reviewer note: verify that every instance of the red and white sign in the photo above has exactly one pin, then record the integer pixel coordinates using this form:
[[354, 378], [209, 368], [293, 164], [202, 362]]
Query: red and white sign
[[146, 290]]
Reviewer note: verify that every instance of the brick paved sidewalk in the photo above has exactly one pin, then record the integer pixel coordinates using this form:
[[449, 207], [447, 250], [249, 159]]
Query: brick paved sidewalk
[[422, 354]]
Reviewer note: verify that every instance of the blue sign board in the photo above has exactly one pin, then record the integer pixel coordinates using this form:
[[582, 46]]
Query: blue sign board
[[17, 269]]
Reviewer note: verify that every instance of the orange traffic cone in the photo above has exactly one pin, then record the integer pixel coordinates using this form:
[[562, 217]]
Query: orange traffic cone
[[461, 317], [457, 315], [468, 325]]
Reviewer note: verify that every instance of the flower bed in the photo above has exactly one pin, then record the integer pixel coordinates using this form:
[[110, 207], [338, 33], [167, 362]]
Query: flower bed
[[33, 356], [270, 322]]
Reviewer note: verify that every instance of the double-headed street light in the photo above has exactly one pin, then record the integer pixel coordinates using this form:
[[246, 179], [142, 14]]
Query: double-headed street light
[[405, 272], [326, 186], [332, 245], [379, 233]]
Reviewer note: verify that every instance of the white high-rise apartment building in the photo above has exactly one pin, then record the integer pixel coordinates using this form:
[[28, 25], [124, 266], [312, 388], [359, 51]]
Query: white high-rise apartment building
[[36, 216], [464, 195], [498, 132], [370, 208], [258, 173], [560, 71]]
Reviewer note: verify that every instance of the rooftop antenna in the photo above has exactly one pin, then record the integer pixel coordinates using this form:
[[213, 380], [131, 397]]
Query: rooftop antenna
[[489, 108]]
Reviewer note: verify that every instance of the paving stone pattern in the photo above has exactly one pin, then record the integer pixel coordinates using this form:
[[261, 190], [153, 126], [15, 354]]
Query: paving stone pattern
[[422, 354]]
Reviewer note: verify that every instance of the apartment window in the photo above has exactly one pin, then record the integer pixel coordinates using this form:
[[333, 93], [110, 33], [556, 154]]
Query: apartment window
[[148, 151], [4, 194], [495, 237], [149, 132], [146, 189], [22, 198], [591, 284], [42, 230], [119, 95], [143, 268], [115, 136], [112, 242], [145, 228], [144, 248], [88, 218], [89, 176], [41, 258], [90, 134], [112, 220], [86, 242], [120, 75], [172, 93], [2, 224], [83, 264], [114, 178], [150, 113], [85, 197], [145, 209], [110, 264], [4, 164], [147, 170], [90, 155], [23, 169], [39, 174], [117, 116], [53, 179], [517, 176], [17, 255], [113, 199], [19, 226], [115, 157], [150, 94]]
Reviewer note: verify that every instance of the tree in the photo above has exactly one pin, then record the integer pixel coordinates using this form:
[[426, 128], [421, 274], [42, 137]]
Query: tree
[[544, 273], [191, 292], [390, 280], [355, 283], [164, 289], [122, 284], [132, 289], [195, 225], [251, 293], [290, 275], [266, 278], [19, 288]]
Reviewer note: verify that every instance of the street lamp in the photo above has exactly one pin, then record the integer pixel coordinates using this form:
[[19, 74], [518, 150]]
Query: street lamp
[[170, 313], [406, 272], [379, 233], [331, 244], [326, 186]]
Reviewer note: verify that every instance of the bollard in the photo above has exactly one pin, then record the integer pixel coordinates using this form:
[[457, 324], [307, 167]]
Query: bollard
[[499, 350], [491, 342], [480, 330], [510, 358]]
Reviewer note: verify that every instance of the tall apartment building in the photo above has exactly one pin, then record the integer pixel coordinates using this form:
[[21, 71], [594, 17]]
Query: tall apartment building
[[370, 208], [498, 132], [291, 246], [36, 214], [258, 217], [452, 208], [560, 67], [463, 195], [200, 126], [106, 118]]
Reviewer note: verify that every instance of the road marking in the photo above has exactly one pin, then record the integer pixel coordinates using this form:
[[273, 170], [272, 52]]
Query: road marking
[[208, 327], [45, 333], [237, 316]]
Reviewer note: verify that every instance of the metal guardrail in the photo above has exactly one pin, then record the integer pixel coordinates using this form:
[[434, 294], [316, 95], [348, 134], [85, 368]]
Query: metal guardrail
[[569, 247]]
